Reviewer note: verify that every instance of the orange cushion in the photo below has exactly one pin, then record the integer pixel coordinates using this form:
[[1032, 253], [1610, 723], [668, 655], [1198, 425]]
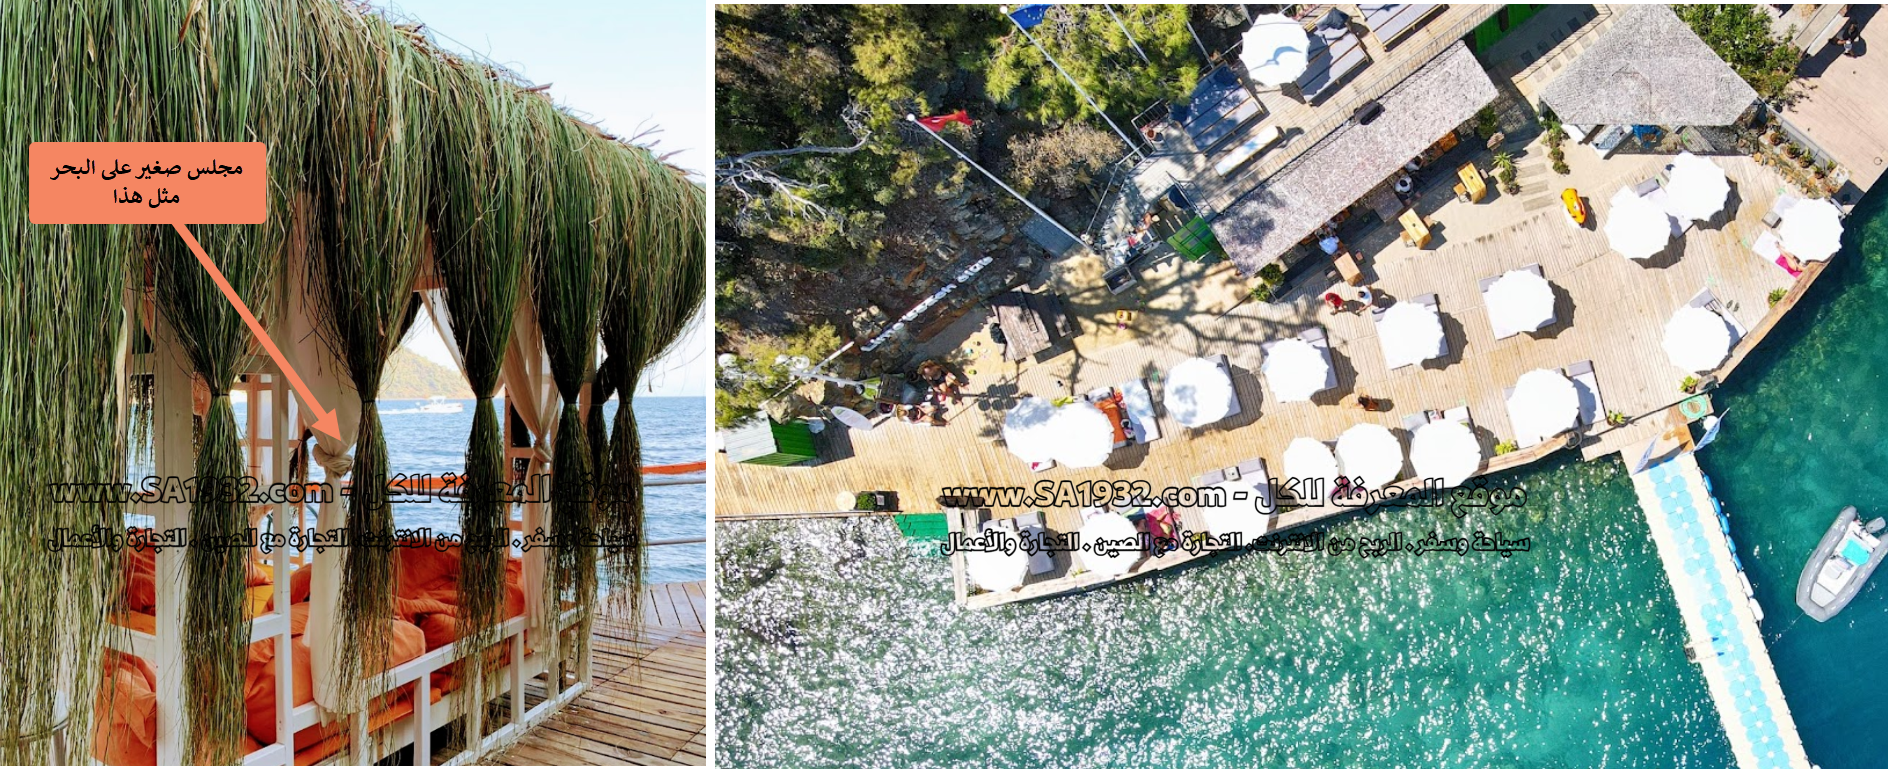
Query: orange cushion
[[124, 730], [408, 643]]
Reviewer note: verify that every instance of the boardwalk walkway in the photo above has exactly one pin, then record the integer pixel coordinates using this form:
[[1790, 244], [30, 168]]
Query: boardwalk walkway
[[649, 701], [1720, 616]]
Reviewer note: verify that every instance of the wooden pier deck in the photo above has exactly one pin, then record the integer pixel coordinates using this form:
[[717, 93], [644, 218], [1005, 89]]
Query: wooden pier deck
[[1611, 311], [1721, 618], [648, 705]]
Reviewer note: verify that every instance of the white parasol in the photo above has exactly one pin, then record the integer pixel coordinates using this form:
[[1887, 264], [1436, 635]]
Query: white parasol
[[996, 570], [1295, 369], [1410, 333], [1698, 188], [1697, 339], [1543, 404], [1081, 435], [1447, 450], [1637, 228], [1370, 454], [1275, 50], [1519, 301], [1307, 461], [1812, 230], [1117, 530], [1024, 430], [1198, 392]]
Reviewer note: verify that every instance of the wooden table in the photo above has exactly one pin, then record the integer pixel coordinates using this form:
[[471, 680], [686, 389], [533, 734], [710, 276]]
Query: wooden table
[[1472, 182], [1348, 269], [1415, 230]]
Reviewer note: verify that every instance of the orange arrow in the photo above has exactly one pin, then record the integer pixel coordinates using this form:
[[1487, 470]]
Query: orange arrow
[[326, 423]]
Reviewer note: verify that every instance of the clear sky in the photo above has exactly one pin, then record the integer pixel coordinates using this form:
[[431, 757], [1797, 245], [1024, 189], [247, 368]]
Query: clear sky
[[624, 66]]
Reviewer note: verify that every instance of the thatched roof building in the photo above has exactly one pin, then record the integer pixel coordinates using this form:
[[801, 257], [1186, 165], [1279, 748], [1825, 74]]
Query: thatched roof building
[[1649, 69], [1343, 166]]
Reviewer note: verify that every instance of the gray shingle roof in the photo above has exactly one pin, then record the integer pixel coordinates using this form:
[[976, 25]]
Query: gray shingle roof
[[1347, 163], [1649, 69]]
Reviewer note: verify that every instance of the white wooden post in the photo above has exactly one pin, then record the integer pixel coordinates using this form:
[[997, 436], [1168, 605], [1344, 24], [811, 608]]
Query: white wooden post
[[280, 430], [173, 456]]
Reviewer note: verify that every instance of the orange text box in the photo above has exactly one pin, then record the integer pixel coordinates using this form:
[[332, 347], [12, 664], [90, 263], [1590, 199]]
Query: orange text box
[[148, 183]]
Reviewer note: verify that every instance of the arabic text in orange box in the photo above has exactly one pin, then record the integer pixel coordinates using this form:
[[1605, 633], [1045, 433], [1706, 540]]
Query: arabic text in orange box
[[147, 183]]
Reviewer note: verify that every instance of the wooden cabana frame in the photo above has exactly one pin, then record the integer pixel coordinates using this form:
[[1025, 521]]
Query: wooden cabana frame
[[274, 419]]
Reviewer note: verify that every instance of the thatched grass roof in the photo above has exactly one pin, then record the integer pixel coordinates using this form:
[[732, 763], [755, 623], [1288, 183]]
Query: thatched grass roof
[[1265, 223], [1649, 69]]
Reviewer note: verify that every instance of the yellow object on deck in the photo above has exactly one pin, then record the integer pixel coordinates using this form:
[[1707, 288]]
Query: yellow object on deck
[[1472, 185], [1415, 229], [1576, 207]]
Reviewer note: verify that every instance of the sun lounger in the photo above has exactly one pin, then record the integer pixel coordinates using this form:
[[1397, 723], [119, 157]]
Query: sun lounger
[[1030, 525], [1253, 471], [1139, 405], [1228, 125], [1592, 407], [1413, 421], [1226, 366], [1458, 414], [1245, 151], [1334, 55], [1646, 187], [1706, 300], [1771, 249], [1316, 338], [1390, 23]]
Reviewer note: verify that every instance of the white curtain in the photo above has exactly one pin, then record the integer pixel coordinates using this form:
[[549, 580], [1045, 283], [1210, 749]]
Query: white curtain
[[327, 379], [529, 389]]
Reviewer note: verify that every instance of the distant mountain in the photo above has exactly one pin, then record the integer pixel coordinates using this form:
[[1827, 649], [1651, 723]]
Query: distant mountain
[[410, 376]]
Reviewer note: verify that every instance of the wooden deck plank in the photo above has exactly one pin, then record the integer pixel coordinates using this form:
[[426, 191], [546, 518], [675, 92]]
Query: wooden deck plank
[[1611, 310], [647, 705]]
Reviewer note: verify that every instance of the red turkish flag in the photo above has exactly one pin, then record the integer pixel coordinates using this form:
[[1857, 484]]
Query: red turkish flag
[[937, 122]]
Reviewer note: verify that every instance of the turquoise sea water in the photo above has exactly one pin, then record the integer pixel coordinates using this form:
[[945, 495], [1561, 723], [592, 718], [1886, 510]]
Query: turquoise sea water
[[1806, 433], [673, 431], [834, 648]]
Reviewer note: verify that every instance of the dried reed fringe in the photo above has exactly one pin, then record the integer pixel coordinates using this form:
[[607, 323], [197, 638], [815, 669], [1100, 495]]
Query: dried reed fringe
[[370, 170], [61, 317], [488, 190]]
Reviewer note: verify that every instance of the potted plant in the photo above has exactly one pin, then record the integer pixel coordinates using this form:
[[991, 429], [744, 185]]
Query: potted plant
[[1506, 447], [1689, 384], [1616, 419], [1777, 294]]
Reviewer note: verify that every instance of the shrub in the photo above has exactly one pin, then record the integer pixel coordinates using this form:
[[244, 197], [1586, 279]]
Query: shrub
[[1560, 167], [1260, 293], [1487, 122], [1777, 294], [1506, 447], [1688, 384], [1615, 418], [1272, 274], [1742, 36]]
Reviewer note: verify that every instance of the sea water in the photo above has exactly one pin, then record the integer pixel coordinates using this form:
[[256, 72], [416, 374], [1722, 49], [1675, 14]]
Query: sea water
[[1805, 434], [835, 647], [672, 430]]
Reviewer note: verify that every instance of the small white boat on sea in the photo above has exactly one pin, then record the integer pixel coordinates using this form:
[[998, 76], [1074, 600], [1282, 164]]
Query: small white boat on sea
[[439, 405], [1836, 572]]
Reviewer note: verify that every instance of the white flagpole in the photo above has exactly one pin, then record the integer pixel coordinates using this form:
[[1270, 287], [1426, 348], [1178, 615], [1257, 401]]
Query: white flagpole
[[999, 182], [1124, 31], [1132, 147]]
